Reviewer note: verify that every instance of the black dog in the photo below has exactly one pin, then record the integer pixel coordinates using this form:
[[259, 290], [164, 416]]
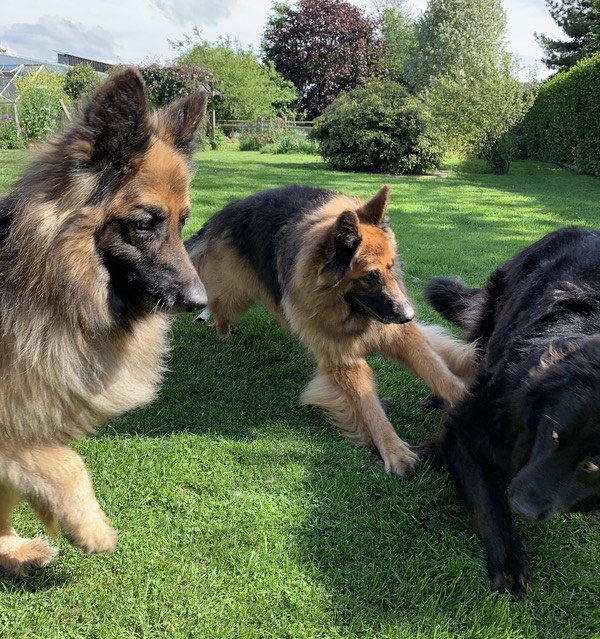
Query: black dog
[[527, 437]]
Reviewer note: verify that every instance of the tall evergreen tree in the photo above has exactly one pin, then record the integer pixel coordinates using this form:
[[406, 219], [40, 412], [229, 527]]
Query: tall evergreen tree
[[580, 20]]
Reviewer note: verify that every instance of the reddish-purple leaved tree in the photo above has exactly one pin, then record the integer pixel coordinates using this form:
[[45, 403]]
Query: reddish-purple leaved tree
[[323, 47]]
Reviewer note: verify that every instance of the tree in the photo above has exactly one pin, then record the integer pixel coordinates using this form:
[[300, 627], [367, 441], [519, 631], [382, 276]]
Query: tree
[[580, 20], [398, 32], [323, 47], [467, 78], [456, 36], [478, 116], [250, 89]]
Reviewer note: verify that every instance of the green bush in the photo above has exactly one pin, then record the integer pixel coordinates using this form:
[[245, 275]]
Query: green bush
[[81, 81], [166, 84], [291, 143], [500, 152], [254, 141], [563, 126], [214, 142], [378, 127], [40, 98], [9, 138]]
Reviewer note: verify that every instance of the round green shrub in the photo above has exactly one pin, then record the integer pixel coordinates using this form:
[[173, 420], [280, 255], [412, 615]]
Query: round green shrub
[[378, 127]]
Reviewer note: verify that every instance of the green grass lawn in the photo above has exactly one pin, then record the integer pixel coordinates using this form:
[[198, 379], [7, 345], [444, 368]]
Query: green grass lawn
[[244, 515]]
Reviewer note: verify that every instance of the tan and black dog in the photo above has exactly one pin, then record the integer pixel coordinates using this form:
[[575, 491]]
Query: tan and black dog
[[91, 262], [325, 265]]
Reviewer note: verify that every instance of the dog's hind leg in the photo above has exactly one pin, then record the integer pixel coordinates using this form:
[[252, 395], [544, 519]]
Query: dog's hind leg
[[348, 395], [55, 481], [19, 556]]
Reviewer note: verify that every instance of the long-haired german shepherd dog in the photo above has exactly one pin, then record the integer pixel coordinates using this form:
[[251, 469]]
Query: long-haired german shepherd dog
[[325, 265], [91, 258], [527, 436]]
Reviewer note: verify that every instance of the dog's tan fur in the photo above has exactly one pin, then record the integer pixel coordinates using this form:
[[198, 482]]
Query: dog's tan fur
[[66, 364], [340, 339]]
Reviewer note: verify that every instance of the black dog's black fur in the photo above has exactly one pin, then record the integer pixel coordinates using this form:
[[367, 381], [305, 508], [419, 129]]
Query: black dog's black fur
[[527, 437]]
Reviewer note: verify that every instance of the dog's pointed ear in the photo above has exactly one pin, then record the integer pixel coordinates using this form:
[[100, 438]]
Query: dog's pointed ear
[[115, 120], [374, 211], [341, 244], [179, 122]]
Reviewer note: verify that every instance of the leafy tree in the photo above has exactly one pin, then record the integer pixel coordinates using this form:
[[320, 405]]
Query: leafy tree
[[378, 127], [323, 47], [249, 88], [468, 79], [398, 32], [379, 7], [580, 20], [456, 36], [478, 115], [81, 80]]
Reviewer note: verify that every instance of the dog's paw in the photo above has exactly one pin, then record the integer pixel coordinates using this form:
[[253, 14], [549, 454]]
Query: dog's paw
[[515, 585], [20, 557], [429, 452], [432, 402], [93, 538], [399, 460], [512, 575]]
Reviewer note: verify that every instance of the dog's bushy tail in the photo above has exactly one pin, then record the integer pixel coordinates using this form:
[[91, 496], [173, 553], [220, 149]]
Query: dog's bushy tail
[[455, 301]]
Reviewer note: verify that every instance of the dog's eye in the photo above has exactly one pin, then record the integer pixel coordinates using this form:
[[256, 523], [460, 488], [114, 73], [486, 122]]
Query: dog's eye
[[555, 437], [590, 466], [371, 277], [145, 225]]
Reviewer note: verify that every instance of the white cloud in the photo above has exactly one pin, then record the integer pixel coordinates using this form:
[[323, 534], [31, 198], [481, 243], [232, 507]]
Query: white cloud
[[51, 33], [185, 12]]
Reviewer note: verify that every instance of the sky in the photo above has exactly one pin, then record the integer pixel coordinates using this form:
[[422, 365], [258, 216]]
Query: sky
[[142, 32]]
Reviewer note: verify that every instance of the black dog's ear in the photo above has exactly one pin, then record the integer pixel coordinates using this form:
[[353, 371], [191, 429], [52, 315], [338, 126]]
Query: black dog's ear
[[115, 121], [373, 212], [343, 240], [179, 122], [558, 350]]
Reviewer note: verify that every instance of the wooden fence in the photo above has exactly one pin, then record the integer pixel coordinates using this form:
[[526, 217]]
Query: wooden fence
[[264, 127]]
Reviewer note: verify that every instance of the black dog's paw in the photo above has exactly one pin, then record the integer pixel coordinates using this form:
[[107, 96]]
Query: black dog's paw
[[513, 576], [430, 453], [432, 402]]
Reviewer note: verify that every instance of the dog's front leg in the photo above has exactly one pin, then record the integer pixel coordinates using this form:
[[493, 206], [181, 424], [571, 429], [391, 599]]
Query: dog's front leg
[[483, 491], [409, 345], [348, 395], [55, 481]]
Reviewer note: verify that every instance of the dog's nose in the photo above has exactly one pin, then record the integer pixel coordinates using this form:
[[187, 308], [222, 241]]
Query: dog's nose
[[194, 296], [403, 313]]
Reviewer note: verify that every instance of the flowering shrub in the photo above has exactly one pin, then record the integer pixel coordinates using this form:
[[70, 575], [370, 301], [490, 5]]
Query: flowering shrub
[[40, 100]]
